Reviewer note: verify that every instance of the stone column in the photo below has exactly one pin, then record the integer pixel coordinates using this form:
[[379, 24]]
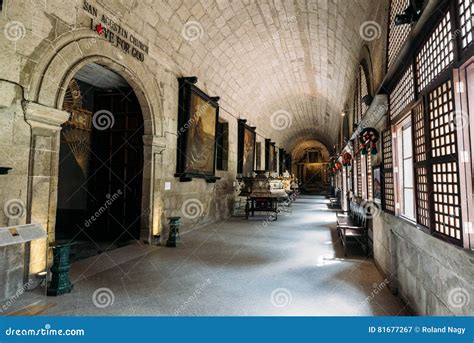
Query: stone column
[[45, 123], [153, 147]]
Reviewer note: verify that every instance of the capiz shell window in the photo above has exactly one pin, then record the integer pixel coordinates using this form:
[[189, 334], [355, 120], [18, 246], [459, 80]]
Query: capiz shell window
[[466, 11], [436, 54]]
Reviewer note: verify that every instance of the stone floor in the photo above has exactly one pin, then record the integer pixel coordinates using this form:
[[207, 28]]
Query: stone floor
[[292, 266]]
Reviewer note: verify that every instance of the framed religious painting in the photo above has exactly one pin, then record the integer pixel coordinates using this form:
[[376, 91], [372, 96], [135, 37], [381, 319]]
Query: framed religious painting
[[281, 160], [288, 162], [246, 149], [270, 156], [377, 184], [198, 117]]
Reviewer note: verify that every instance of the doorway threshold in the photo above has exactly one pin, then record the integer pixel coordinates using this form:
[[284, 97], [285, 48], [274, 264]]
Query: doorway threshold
[[91, 266]]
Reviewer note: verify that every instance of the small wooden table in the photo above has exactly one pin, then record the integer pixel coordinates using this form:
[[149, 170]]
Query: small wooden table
[[262, 204]]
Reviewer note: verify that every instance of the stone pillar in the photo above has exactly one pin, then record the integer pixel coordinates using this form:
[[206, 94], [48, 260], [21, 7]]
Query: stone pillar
[[45, 123], [153, 147]]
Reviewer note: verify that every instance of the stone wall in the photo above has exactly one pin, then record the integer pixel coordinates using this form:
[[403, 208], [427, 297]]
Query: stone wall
[[433, 277], [11, 270], [59, 35], [430, 275]]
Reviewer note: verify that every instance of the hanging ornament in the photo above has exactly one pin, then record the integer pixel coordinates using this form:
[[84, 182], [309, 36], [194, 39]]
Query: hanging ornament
[[346, 159], [368, 140], [76, 132]]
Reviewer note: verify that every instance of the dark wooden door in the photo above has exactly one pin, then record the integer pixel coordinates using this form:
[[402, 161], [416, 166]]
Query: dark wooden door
[[116, 165]]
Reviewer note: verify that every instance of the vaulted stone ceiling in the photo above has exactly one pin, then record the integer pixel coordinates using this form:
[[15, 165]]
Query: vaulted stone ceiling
[[285, 65]]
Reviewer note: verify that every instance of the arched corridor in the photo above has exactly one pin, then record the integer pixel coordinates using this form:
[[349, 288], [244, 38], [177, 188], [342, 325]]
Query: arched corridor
[[293, 266], [237, 157]]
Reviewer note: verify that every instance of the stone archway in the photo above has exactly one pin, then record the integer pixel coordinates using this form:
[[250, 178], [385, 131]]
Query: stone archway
[[44, 96]]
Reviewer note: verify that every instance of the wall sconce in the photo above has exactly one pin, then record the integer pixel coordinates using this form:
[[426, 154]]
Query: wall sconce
[[411, 14]]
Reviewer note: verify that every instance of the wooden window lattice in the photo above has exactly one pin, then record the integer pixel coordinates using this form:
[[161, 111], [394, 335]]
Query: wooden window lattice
[[397, 35], [418, 120], [421, 167], [466, 11], [389, 198], [403, 93], [446, 219], [442, 121], [422, 196], [447, 207], [436, 54]]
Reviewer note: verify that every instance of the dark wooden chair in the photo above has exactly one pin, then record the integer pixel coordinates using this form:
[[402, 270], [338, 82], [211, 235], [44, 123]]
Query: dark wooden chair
[[352, 227], [335, 202]]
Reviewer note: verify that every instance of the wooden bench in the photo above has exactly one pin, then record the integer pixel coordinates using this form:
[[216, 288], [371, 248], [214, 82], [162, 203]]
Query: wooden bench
[[352, 227], [335, 202]]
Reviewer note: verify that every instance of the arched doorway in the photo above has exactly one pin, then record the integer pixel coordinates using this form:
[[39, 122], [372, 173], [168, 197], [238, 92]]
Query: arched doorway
[[100, 170]]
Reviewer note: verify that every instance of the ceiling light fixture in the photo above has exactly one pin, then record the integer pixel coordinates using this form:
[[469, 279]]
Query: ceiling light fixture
[[411, 14]]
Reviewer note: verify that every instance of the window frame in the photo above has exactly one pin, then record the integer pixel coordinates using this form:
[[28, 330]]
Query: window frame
[[390, 60], [399, 169], [450, 168], [387, 171]]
